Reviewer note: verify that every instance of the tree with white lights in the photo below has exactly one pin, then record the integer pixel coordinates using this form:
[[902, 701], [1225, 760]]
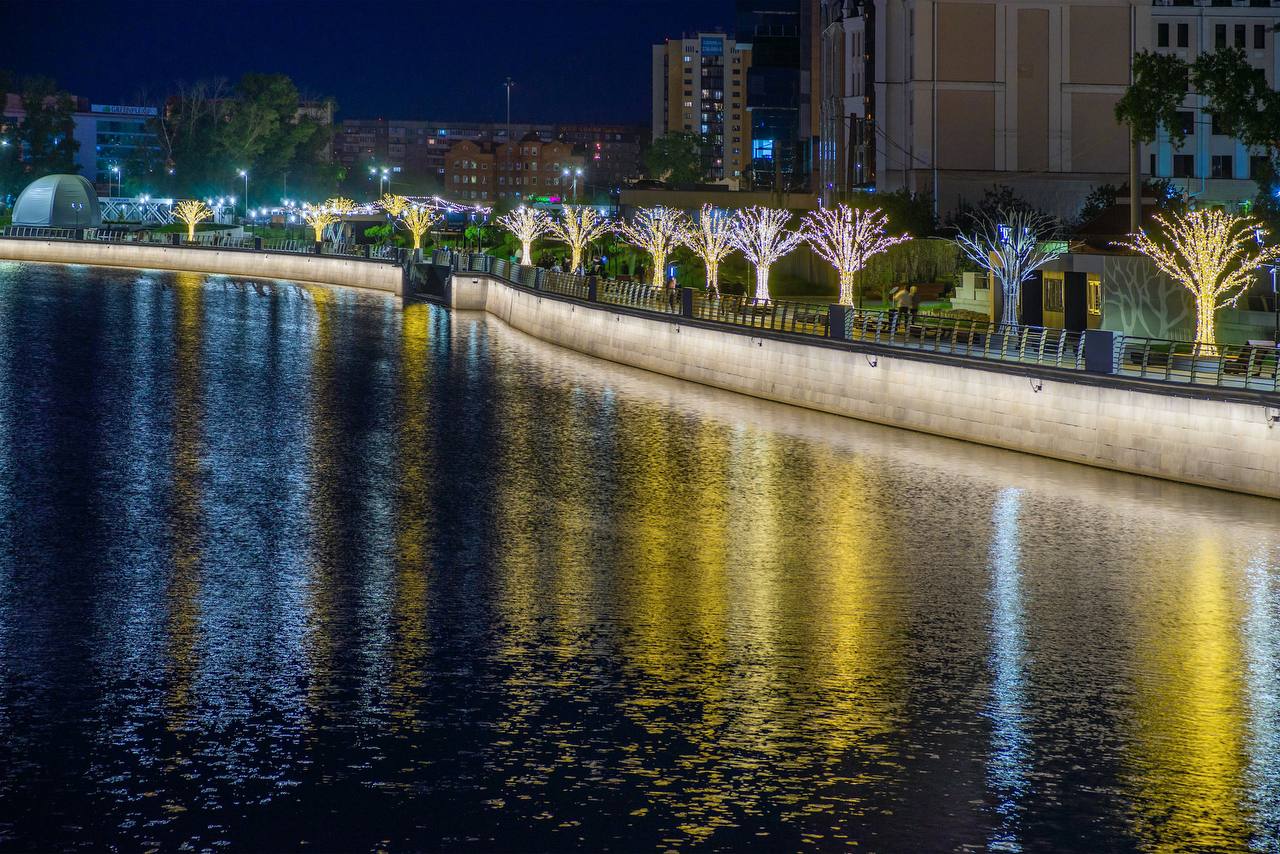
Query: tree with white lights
[[711, 239], [191, 211], [527, 224], [341, 206], [658, 231], [1210, 253], [418, 219], [762, 235], [577, 226], [319, 217], [847, 237], [1011, 246]]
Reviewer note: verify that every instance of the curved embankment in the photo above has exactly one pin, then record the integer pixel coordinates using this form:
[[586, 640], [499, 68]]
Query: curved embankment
[[1187, 435], [317, 269]]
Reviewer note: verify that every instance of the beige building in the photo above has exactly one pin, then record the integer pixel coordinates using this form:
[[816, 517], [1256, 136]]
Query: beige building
[[968, 94], [699, 86], [844, 94]]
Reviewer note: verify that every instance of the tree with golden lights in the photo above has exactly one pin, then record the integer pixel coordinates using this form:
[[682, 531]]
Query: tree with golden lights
[[762, 235], [393, 204], [577, 226], [658, 231], [341, 206], [527, 224], [711, 239], [418, 219], [1210, 253], [319, 217], [191, 211], [847, 237]]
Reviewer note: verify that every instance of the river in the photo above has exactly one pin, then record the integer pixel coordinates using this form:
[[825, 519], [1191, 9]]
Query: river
[[284, 566]]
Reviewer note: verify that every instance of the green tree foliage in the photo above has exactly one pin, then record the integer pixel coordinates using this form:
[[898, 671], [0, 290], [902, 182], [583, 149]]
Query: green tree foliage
[[1151, 102], [908, 212], [1168, 197], [997, 200], [209, 132], [675, 158], [42, 142], [1238, 95]]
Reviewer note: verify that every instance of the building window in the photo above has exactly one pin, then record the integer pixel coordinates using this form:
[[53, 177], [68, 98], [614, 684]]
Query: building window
[[1220, 166], [1184, 165], [1053, 286], [1187, 122], [1240, 31], [1220, 36], [1162, 35], [1216, 126], [1093, 293], [1184, 34], [1259, 37]]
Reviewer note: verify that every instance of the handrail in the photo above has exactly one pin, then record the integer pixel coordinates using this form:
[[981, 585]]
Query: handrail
[[1252, 368]]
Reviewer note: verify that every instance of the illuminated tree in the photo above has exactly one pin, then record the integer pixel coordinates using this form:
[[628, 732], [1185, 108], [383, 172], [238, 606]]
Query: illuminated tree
[[418, 219], [191, 211], [761, 234], [319, 217], [1011, 245], [658, 231], [711, 239], [393, 204], [527, 224], [1210, 253], [847, 237], [577, 226], [341, 206]]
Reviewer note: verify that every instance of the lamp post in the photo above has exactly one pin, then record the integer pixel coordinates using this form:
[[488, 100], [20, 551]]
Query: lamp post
[[245, 175], [115, 170], [384, 179], [577, 173], [1275, 293], [509, 84], [77, 207]]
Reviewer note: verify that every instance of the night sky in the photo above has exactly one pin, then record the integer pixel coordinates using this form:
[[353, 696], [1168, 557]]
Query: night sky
[[573, 60]]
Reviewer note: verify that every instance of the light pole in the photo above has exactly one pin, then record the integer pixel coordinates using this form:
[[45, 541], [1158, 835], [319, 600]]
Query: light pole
[[245, 175], [384, 179], [119, 180], [577, 173], [509, 84]]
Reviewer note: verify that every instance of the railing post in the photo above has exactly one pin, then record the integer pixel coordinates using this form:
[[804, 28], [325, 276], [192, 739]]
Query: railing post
[[836, 322], [257, 244], [176, 238], [593, 289], [686, 302], [1099, 351], [319, 247]]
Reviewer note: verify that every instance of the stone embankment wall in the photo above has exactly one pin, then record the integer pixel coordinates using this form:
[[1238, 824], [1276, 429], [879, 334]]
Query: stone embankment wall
[[1184, 435], [318, 269]]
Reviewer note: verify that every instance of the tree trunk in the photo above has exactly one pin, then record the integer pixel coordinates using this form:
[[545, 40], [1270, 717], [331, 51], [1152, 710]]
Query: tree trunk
[[659, 269], [1135, 185], [713, 279], [846, 287], [526, 253], [1206, 320], [762, 282]]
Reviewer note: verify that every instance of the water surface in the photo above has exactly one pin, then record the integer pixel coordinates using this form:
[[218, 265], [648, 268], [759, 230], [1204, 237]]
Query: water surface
[[284, 566]]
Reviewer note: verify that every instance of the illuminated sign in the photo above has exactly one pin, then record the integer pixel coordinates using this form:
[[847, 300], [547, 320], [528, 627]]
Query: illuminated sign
[[712, 47], [123, 111]]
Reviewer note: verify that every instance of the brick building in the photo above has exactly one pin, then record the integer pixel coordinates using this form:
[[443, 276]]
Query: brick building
[[475, 171]]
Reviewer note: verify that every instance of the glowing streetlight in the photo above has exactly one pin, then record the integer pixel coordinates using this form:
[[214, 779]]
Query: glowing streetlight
[[576, 173], [115, 170]]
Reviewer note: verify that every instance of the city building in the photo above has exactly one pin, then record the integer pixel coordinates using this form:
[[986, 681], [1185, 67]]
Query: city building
[[113, 138], [613, 152], [785, 54], [846, 87], [1210, 165], [699, 87], [971, 94], [525, 170]]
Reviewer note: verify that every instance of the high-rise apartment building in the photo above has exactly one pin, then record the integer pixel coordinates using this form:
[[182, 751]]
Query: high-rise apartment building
[[699, 87], [846, 99], [784, 39]]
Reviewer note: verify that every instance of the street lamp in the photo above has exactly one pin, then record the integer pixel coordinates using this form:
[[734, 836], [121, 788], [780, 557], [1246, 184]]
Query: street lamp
[[245, 175], [77, 207], [384, 179], [577, 173], [119, 180]]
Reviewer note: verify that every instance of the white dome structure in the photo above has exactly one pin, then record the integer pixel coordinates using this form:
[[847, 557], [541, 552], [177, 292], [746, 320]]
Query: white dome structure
[[58, 201]]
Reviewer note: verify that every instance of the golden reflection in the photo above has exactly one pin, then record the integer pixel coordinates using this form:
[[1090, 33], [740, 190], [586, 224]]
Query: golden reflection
[[186, 519], [324, 437], [1189, 724], [414, 465]]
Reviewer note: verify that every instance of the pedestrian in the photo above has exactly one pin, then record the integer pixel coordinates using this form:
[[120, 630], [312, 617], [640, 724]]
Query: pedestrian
[[639, 273], [913, 301], [673, 288]]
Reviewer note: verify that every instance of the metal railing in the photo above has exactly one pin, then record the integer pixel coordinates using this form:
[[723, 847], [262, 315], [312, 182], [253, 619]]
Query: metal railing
[[796, 318], [1252, 368], [40, 232], [1035, 345], [1222, 365]]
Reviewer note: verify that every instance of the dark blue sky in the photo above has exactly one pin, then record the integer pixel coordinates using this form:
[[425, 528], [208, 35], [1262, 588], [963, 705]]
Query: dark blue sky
[[572, 59]]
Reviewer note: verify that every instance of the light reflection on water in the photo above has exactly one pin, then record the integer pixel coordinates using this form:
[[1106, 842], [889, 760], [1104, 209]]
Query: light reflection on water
[[284, 565]]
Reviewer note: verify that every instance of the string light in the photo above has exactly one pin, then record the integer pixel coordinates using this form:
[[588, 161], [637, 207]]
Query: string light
[[1010, 249], [319, 217], [761, 234], [418, 220], [191, 211], [847, 237], [527, 224], [577, 226], [658, 231], [1208, 253], [711, 239]]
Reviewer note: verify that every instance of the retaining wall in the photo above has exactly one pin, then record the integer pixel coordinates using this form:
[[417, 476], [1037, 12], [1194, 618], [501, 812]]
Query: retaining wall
[[1181, 435], [318, 269]]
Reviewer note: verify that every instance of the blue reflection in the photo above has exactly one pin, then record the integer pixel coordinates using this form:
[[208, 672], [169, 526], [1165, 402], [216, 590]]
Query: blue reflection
[[1262, 676], [1007, 765]]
